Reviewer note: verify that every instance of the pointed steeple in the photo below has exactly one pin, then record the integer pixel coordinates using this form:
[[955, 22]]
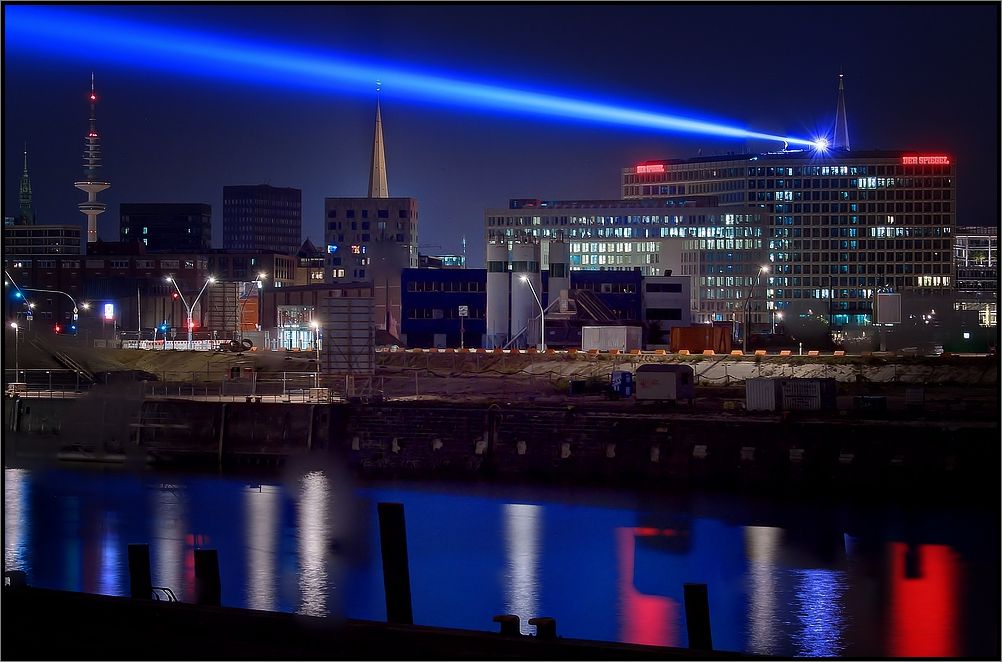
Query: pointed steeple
[[377, 174], [25, 214], [841, 138]]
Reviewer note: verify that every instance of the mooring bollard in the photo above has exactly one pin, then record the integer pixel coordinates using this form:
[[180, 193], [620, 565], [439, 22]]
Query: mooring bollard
[[546, 627], [140, 582], [396, 574], [697, 616], [207, 587], [510, 624]]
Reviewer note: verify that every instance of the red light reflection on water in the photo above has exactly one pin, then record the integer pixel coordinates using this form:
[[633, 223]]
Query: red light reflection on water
[[923, 609], [644, 619]]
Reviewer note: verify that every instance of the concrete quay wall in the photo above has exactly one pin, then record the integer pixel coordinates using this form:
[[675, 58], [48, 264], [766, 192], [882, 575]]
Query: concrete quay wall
[[672, 447]]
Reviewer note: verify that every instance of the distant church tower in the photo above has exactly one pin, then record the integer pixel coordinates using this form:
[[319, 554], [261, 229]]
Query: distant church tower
[[91, 184], [26, 216], [377, 174], [841, 138]]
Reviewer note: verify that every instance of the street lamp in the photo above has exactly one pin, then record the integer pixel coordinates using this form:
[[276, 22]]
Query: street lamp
[[17, 366], [35, 289], [751, 288], [316, 345], [170, 279], [542, 314], [775, 315]]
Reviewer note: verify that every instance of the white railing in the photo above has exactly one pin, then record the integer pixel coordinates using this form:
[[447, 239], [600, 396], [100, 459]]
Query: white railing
[[195, 345]]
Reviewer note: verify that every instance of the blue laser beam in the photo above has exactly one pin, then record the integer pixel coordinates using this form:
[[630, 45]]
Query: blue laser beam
[[54, 30]]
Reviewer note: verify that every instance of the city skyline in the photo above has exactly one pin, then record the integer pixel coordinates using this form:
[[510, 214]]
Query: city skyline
[[176, 135]]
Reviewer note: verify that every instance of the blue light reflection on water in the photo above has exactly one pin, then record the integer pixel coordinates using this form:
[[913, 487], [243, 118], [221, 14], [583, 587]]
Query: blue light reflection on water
[[311, 545]]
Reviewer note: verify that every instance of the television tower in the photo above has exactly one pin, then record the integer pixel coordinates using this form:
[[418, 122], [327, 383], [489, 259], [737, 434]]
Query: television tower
[[841, 138], [91, 184], [25, 215]]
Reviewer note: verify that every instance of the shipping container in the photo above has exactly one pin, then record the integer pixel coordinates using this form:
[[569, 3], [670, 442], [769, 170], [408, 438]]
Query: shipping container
[[655, 381], [807, 394], [698, 337], [761, 394], [347, 343], [604, 338]]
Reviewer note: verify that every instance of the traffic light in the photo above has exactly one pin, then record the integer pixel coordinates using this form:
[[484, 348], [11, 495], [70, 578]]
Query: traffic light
[[18, 295], [174, 295], [58, 329], [164, 327]]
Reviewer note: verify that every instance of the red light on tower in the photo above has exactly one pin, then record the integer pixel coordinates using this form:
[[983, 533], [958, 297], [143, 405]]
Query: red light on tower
[[93, 97]]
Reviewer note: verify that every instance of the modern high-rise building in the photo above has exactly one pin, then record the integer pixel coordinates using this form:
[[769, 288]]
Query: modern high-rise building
[[719, 246], [975, 251], [167, 226], [91, 183], [837, 225], [262, 217], [373, 239]]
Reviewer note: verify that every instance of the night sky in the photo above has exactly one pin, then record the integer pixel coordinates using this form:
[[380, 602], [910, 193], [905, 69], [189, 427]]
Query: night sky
[[922, 77]]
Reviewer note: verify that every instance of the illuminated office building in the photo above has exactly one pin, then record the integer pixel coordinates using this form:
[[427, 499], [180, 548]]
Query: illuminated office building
[[837, 225], [975, 250], [721, 247]]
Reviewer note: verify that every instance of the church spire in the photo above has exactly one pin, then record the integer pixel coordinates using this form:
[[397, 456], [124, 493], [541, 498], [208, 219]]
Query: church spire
[[377, 174], [841, 138], [27, 216]]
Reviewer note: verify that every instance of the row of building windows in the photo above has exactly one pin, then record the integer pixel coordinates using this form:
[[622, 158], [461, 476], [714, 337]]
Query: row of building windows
[[443, 313], [380, 213], [444, 286]]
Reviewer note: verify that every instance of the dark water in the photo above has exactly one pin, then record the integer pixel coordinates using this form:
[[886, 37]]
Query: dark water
[[788, 579]]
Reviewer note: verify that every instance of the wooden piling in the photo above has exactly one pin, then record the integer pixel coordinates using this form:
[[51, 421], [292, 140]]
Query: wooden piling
[[140, 581], [396, 573], [697, 616], [207, 586]]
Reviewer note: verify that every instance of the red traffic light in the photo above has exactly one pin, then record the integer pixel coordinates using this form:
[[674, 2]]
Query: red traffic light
[[58, 328], [173, 295]]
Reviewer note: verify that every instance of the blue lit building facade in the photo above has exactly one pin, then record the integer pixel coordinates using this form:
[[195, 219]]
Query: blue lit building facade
[[430, 304]]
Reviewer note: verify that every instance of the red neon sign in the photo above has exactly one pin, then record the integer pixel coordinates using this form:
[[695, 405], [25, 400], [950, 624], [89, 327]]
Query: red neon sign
[[643, 169], [925, 160]]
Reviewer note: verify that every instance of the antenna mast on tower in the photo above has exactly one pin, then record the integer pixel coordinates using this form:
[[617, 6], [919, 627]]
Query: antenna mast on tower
[[91, 185]]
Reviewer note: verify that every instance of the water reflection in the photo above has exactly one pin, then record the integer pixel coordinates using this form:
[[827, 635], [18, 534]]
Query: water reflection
[[644, 618], [16, 519], [263, 504], [314, 540], [522, 530], [773, 590], [111, 556], [923, 604], [821, 612], [762, 544], [167, 549]]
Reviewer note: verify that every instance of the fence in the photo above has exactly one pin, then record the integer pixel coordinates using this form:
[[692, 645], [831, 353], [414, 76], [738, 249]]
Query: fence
[[58, 383], [195, 345]]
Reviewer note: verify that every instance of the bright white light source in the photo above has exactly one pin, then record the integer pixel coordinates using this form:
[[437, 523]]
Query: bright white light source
[[821, 144]]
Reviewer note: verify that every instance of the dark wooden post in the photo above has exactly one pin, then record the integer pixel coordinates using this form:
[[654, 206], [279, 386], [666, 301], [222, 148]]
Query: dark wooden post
[[207, 586], [396, 573], [697, 616], [140, 582]]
